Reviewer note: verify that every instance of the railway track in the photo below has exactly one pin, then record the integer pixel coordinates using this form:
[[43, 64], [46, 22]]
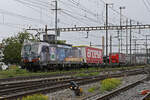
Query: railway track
[[26, 78], [118, 91], [13, 90], [146, 97]]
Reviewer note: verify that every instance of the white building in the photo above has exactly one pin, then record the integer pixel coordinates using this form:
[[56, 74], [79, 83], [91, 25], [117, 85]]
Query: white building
[[3, 66], [1, 52]]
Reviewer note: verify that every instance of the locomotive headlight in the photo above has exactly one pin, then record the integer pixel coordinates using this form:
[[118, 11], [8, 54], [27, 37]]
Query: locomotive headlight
[[71, 87], [75, 88], [39, 58]]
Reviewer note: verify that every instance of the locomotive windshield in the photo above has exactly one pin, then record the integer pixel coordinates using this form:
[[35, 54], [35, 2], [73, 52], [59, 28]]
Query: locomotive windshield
[[30, 50], [27, 47]]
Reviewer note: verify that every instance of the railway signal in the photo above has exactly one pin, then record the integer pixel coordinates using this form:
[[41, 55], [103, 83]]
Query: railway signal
[[77, 90]]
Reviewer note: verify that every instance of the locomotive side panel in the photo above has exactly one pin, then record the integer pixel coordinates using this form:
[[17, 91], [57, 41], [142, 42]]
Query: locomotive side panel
[[53, 54], [63, 52], [74, 55]]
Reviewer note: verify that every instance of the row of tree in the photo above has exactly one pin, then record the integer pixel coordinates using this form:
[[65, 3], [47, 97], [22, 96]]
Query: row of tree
[[13, 46]]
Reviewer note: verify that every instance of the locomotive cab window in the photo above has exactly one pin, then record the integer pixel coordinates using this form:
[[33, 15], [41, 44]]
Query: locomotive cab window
[[27, 47], [45, 49]]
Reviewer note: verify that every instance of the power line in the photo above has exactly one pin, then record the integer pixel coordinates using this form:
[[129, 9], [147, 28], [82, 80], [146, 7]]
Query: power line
[[148, 2], [29, 3], [85, 17], [146, 5], [118, 12], [37, 4], [20, 16], [82, 7], [29, 6], [66, 13]]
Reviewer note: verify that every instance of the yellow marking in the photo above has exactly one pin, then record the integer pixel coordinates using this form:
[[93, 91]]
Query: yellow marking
[[73, 59]]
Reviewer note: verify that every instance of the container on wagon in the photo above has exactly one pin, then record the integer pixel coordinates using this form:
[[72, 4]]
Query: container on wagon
[[117, 58], [90, 54]]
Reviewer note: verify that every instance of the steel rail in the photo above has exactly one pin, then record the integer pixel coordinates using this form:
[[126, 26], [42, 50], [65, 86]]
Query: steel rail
[[117, 91], [45, 87], [26, 78], [146, 97]]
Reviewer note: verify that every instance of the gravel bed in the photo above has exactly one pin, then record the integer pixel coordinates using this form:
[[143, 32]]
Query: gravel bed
[[134, 93], [67, 94], [37, 79]]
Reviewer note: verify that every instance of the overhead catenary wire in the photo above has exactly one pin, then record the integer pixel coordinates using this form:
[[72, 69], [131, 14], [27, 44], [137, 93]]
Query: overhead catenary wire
[[119, 12], [66, 13], [90, 19], [148, 9], [30, 3], [148, 2], [82, 7], [71, 16], [20, 16]]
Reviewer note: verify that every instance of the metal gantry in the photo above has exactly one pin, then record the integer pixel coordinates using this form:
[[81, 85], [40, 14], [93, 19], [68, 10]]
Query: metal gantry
[[97, 28]]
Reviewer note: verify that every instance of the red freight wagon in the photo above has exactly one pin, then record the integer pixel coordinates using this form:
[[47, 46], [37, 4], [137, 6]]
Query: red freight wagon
[[91, 55], [118, 58]]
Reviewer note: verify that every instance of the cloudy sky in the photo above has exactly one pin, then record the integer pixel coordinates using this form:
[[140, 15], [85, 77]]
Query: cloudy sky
[[16, 15]]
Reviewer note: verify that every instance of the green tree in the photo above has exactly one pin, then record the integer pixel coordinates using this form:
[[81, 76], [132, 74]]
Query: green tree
[[12, 47]]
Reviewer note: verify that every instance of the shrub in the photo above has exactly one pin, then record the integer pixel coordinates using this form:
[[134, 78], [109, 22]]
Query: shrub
[[109, 84], [92, 89], [36, 97]]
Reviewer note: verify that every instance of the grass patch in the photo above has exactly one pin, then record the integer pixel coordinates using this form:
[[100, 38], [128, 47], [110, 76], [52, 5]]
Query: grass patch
[[36, 97], [86, 74], [15, 71], [94, 74], [109, 84], [92, 89], [81, 75]]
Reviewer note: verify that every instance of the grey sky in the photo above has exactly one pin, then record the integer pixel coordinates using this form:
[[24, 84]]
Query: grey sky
[[73, 12]]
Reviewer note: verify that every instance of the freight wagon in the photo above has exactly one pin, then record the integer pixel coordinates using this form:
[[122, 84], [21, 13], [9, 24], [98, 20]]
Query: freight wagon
[[138, 59], [86, 55], [117, 58]]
